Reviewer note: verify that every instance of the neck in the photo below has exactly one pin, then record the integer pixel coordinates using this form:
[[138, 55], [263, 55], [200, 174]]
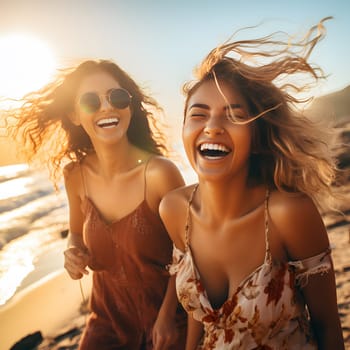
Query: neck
[[117, 159], [221, 200]]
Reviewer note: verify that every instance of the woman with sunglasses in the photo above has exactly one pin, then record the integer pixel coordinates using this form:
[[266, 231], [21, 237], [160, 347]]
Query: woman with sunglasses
[[99, 119], [252, 257]]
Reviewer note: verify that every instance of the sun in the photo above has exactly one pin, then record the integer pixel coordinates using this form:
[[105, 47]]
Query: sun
[[26, 64]]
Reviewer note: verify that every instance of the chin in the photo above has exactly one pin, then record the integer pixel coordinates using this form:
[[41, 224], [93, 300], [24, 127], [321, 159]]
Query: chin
[[212, 175]]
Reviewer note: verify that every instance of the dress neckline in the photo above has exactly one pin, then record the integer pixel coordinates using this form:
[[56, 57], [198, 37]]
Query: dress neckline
[[230, 299], [188, 252], [108, 223]]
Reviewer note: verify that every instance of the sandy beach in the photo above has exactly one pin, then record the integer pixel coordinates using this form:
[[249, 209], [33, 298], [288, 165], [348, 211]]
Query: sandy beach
[[340, 238], [339, 235], [50, 305]]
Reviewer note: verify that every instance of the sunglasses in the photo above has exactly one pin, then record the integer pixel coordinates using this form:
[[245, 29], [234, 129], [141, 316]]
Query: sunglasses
[[90, 102]]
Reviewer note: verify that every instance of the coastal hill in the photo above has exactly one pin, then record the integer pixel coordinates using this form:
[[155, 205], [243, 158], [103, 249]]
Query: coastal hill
[[334, 106]]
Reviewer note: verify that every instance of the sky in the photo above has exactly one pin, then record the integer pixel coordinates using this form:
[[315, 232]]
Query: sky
[[160, 42]]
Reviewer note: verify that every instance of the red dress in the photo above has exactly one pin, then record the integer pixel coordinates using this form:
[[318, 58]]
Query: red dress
[[129, 259]]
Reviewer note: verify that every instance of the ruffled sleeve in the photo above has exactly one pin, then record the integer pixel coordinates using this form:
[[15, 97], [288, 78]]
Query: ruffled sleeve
[[178, 255], [318, 264]]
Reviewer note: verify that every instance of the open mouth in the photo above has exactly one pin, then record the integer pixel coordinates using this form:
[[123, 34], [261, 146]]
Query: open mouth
[[108, 122], [213, 150]]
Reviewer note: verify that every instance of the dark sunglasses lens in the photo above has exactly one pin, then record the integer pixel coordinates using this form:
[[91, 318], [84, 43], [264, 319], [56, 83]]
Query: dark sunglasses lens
[[119, 98], [90, 102]]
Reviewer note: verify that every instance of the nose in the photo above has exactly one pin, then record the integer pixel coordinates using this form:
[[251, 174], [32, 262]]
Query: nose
[[213, 127], [105, 104]]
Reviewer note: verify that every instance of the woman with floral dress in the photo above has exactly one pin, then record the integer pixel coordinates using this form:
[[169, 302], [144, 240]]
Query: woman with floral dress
[[251, 254]]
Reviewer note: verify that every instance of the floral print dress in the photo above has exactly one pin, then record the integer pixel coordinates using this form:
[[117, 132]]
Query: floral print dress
[[265, 312]]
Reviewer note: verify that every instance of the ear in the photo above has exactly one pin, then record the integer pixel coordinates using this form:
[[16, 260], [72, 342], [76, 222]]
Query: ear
[[74, 118]]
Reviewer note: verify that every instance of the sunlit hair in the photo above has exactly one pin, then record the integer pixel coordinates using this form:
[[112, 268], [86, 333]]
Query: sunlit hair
[[289, 152], [43, 124]]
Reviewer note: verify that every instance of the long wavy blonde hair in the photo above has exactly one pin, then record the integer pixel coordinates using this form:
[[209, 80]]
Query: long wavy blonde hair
[[43, 127], [289, 151]]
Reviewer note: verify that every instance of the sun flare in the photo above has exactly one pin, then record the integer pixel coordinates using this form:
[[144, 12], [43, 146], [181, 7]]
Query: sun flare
[[26, 63]]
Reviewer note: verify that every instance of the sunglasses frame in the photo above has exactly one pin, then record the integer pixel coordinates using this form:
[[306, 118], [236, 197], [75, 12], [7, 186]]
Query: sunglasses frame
[[108, 98]]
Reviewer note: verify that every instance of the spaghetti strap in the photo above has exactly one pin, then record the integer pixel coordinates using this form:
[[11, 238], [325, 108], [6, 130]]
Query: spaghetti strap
[[188, 218], [268, 258], [144, 178], [83, 180]]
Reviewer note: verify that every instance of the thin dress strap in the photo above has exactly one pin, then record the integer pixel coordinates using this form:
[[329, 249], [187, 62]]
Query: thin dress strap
[[188, 218], [268, 258], [144, 178], [83, 179]]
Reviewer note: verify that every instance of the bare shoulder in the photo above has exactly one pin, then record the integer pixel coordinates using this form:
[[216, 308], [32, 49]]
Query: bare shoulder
[[291, 206], [162, 165], [70, 171], [298, 223], [176, 198], [173, 212], [163, 174]]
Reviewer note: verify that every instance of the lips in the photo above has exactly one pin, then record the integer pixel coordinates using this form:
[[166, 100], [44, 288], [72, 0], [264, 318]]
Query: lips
[[213, 150], [108, 122]]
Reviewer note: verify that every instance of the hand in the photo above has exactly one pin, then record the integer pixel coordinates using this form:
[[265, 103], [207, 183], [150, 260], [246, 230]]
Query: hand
[[75, 262], [164, 333]]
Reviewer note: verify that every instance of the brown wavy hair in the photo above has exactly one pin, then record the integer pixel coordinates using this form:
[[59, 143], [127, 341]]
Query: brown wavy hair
[[42, 124], [289, 151]]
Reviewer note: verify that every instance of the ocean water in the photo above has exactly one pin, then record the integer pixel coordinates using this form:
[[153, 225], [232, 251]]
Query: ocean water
[[32, 217]]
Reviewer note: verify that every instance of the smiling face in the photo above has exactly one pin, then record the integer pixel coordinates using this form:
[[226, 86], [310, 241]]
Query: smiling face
[[216, 146], [107, 123]]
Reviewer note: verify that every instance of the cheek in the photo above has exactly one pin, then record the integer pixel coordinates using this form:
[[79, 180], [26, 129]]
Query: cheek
[[243, 140], [184, 133], [189, 133], [128, 120], [189, 140]]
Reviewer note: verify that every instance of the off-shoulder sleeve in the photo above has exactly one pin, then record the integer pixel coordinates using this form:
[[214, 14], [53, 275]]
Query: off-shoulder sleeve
[[178, 255], [318, 264]]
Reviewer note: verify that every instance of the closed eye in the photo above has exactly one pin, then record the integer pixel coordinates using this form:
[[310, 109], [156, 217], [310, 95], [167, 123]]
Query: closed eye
[[236, 116], [198, 110], [197, 114]]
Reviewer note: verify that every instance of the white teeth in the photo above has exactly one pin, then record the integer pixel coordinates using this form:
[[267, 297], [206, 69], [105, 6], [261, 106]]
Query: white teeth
[[213, 147], [108, 122]]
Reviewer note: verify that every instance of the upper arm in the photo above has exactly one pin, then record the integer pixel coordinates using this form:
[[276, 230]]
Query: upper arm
[[72, 182], [304, 235], [172, 210]]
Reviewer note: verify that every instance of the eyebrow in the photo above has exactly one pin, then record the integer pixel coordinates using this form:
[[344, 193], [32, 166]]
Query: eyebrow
[[204, 106]]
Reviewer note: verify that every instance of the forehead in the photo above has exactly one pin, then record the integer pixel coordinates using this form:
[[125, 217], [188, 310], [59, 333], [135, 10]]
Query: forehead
[[98, 81], [211, 93]]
